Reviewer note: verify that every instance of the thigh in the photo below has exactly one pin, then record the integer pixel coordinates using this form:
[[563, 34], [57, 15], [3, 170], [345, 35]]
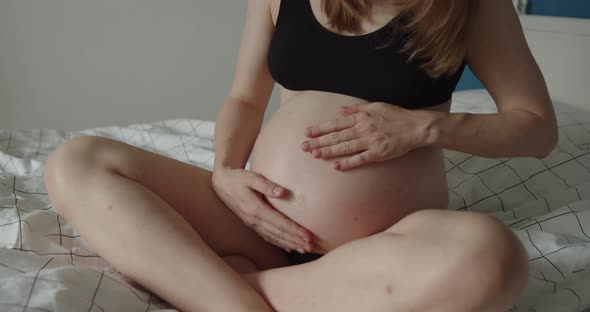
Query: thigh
[[488, 256], [188, 189], [443, 224], [413, 265]]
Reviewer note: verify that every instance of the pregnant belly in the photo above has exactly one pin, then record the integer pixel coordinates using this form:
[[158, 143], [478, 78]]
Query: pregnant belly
[[340, 206]]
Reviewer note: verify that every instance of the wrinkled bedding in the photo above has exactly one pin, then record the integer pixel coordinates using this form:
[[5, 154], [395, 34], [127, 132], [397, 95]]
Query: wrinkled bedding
[[45, 266]]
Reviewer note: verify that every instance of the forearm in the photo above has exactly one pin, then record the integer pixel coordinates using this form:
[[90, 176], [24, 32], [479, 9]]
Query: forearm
[[505, 134], [236, 129]]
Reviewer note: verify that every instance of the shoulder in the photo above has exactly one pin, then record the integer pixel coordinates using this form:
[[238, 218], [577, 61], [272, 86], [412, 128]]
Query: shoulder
[[494, 17], [499, 55], [268, 6], [496, 34], [274, 6]]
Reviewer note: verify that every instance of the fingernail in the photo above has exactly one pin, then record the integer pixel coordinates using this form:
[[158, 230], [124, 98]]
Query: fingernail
[[336, 165], [303, 236], [316, 153], [307, 132], [301, 251], [305, 146], [277, 190]]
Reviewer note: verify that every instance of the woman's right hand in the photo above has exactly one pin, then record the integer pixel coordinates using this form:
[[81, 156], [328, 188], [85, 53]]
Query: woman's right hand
[[242, 190]]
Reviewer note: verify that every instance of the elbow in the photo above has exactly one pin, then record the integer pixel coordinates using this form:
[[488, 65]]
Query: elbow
[[549, 139], [545, 152]]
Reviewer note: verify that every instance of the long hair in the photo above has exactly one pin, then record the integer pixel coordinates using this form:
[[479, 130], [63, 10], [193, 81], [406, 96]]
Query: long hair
[[438, 28]]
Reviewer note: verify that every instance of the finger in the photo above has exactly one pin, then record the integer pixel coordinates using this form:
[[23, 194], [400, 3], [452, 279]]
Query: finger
[[275, 240], [330, 139], [267, 235], [330, 126], [277, 223], [354, 161], [364, 107], [286, 243], [264, 186], [278, 232], [348, 110], [344, 148], [281, 225]]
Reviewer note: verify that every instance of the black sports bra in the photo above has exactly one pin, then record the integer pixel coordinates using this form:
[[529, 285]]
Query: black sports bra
[[304, 55]]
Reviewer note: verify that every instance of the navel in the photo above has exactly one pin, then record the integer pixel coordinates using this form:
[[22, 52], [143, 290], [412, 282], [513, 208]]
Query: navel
[[388, 289]]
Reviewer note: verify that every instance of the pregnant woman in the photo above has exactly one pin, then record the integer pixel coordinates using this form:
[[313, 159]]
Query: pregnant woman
[[344, 206]]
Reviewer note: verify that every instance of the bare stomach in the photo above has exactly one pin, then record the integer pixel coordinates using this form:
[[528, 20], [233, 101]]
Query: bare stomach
[[340, 206]]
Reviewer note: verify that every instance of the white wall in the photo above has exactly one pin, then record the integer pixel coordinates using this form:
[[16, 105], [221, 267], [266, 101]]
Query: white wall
[[561, 46], [74, 64]]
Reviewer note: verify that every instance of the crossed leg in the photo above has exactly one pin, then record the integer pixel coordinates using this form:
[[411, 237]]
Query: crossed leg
[[431, 260], [121, 199]]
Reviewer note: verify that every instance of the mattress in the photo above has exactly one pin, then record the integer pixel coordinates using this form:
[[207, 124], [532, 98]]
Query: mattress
[[45, 266]]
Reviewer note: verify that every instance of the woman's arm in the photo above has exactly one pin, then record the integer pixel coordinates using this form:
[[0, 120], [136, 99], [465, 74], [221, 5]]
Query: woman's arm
[[525, 125], [238, 124], [241, 116]]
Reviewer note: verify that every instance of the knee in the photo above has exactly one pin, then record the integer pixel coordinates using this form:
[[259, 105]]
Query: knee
[[66, 166], [491, 265], [70, 158]]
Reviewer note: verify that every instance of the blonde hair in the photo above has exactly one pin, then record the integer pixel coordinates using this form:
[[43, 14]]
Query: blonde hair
[[438, 28]]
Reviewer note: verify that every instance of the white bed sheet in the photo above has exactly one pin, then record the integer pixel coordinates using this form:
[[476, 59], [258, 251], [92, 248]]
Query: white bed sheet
[[44, 266]]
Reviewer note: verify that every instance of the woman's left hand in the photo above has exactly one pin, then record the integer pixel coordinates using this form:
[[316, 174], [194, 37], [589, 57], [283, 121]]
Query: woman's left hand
[[373, 132]]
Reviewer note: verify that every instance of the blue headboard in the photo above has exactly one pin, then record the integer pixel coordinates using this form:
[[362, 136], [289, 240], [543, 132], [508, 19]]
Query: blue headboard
[[565, 8]]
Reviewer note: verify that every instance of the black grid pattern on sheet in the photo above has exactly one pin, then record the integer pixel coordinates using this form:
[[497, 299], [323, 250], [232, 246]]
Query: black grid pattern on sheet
[[540, 199]]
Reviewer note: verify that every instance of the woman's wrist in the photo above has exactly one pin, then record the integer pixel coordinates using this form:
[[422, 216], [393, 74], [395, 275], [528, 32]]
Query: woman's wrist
[[433, 129], [218, 168], [218, 172]]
